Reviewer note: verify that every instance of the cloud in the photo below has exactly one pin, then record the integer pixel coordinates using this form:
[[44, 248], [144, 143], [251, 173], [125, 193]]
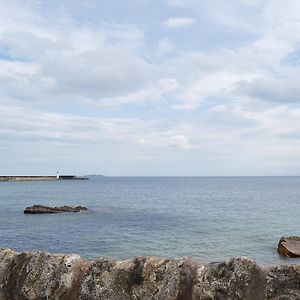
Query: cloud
[[216, 84], [164, 47], [27, 124], [152, 93], [181, 3], [167, 139], [179, 22], [270, 89], [77, 83], [103, 73], [67, 61]]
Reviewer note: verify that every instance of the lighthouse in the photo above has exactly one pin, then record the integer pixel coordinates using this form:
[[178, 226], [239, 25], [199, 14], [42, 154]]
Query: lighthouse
[[57, 175]]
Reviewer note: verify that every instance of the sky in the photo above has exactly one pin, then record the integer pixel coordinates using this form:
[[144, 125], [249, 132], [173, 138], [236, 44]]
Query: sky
[[150, 87]]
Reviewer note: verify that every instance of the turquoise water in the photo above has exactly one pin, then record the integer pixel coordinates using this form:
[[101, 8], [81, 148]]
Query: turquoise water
[[209, 218]]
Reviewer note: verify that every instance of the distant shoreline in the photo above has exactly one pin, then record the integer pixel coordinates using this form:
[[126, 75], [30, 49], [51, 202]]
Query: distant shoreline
[[40, 178]]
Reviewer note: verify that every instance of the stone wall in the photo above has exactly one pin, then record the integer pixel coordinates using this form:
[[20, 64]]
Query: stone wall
[[40, 275], [27, 178]]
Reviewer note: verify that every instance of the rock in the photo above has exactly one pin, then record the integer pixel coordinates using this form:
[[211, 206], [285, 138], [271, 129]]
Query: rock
[[289, 246], [239, 278], [283, 282], [40, 275], [139, 278], [41, 209]]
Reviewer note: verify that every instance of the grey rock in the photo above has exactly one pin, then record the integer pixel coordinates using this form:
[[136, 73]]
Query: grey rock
[[139, 278], [41, 275], [283, 282], [37, 275], [239, 278]]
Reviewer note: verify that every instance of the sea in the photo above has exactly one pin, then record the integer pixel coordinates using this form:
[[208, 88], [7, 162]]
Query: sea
[[208, 218]]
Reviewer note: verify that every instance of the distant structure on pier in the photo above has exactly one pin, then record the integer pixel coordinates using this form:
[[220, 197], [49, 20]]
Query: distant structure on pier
[[42, 178]]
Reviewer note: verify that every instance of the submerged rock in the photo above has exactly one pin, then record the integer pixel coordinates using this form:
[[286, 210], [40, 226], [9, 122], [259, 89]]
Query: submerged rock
[[289, 246], [41, 209]]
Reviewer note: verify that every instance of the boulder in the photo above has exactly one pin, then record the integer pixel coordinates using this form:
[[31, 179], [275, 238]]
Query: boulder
[[41, 275], [289, 246], [41, 209], [236, 279], [283, 282]]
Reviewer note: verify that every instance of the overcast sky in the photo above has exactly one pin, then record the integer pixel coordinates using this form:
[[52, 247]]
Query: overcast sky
[[150, 87]]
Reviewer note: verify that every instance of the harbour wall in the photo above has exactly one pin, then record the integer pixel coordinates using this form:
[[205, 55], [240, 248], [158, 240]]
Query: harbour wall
[[40, 178], [27, 178], [41, 275]]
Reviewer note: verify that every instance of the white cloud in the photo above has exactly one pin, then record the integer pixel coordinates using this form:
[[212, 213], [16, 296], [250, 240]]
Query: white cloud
[[216, 84], [69, 62], [165, 140], [179, 22], [152, 93]]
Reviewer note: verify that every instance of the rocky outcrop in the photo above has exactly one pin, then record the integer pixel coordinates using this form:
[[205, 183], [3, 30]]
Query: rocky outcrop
[[289, 246], [40, 275], [41, 209]]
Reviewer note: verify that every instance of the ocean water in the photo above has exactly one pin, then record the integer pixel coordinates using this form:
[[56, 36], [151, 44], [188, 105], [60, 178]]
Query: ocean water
[[208, 218]]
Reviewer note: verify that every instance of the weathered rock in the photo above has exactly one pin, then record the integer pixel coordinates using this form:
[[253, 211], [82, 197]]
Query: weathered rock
[[236, 279], [289, 246], [40, 275], [283, 282], [41, 209], [140, 278]]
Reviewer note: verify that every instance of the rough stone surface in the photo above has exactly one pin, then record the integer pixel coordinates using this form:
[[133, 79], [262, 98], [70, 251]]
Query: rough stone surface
[[41, 209], [139, 278], [41, 275], [289, 246], [283, 282], [239, 278]]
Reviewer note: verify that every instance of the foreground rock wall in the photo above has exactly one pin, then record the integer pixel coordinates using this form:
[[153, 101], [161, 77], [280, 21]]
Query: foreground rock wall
[[42, 275]]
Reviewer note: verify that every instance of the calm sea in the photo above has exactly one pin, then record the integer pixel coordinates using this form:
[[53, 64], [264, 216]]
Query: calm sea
[[209, 218]]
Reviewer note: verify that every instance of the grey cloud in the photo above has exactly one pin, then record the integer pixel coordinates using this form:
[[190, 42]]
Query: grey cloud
[[292, 135], [268, 89], [80, 62], [105, 72], [231, 118], [26, 45]]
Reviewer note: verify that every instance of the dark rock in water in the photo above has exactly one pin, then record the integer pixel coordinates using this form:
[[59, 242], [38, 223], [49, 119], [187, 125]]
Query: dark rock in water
[[289, 246], [41, 209]]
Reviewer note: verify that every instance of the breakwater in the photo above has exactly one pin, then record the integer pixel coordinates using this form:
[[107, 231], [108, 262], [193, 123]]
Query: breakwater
[[41, 178], [27, 178], [41, 275]]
